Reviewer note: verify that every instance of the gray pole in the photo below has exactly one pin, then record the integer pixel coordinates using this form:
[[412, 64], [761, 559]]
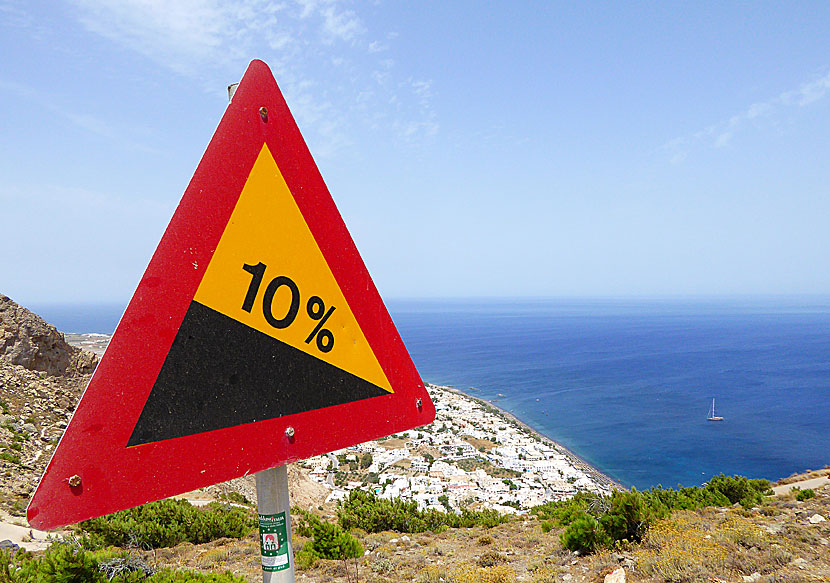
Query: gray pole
[[274, 507]]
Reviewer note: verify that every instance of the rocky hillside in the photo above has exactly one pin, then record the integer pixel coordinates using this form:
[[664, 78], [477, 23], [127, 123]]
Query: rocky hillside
[[41, 380], [27, 341], [784, 539]]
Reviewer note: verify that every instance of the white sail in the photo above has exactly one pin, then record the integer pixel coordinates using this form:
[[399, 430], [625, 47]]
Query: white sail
[[712, 416]]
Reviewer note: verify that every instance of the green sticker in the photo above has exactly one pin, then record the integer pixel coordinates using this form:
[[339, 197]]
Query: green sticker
[[273, 542]]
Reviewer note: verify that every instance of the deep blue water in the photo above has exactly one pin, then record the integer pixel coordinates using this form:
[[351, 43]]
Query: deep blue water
[[627, 385], [81, 318]]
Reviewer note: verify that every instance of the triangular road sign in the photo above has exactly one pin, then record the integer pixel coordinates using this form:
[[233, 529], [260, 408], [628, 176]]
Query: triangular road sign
[[255, 338]]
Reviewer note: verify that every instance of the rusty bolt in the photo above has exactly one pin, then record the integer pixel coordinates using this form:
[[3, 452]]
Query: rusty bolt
[[74, 481], [419, 403], [263, 113], [289, 432]]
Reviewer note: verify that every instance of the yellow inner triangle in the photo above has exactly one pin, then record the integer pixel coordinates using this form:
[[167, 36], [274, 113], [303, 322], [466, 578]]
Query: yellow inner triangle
[[267, 239]]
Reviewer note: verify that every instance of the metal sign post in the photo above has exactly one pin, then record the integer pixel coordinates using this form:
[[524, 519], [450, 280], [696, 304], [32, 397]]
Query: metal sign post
[[273, 512], [273, 507]]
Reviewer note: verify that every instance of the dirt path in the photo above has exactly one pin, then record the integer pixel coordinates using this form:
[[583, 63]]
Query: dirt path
[[25, 537], [812, 483]]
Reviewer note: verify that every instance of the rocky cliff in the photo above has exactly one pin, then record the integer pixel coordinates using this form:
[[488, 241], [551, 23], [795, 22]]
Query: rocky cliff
[[41, 380], [28, 341]]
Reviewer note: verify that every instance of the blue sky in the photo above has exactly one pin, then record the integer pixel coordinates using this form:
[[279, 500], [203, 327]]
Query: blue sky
[[507, 149]]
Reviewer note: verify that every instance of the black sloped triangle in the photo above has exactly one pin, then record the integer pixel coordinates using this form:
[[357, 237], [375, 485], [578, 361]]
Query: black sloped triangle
[[220, 373]]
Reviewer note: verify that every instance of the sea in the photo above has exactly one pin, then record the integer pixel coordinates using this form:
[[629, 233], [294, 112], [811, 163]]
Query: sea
[[626, 384]]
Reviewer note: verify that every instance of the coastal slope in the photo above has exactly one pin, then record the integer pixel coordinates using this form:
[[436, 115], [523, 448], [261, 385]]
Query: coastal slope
[[41, 380]]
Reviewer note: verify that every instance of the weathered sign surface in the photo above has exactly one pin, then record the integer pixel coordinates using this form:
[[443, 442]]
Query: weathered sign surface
[[255, 338]]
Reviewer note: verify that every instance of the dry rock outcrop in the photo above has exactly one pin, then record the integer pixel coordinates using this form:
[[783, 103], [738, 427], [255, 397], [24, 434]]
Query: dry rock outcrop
[[27, 340], [41, 380]]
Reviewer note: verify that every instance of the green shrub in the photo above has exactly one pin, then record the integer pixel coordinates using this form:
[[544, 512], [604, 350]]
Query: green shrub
[[170, 576], [63, 563], [803, 495], [366, 511], [582, 535], [236, 498], [491, 559], [167, 523], [739, 490], [630, 515], [305, 558], [59, 564], [10, 457], [563, 512], [626, 516], [328, 541]]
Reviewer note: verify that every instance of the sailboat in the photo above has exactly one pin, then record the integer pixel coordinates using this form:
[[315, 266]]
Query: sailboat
[[712, 416]]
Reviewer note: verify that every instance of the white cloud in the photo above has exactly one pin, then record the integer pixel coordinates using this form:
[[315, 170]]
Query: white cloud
[[340, 25], [316, 48], [719, 135], [183, 34], [308, 7], [808, 92]]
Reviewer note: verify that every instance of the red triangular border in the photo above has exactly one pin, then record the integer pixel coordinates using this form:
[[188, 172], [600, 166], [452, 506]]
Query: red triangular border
[[113, 477]]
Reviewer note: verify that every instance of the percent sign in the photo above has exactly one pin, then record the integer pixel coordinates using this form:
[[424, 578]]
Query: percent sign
[[315, 307]]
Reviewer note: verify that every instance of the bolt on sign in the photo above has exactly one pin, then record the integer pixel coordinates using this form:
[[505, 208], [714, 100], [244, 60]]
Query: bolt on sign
[[255, 338]]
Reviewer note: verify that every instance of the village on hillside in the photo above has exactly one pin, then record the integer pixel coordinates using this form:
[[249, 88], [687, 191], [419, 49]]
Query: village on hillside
[[472, 455]]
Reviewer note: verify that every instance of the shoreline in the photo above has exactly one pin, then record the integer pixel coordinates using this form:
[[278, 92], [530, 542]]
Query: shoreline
[[578, 462]]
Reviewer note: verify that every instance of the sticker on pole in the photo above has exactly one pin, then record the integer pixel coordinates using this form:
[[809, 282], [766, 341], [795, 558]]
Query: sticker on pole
[[255, 338], [274, 548]]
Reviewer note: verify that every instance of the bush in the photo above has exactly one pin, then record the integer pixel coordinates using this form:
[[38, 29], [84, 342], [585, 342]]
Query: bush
[[566, 511], [328, 541], [629, 516], [366, 511], [491, 559], [304, 559], [170, 576], [802, 495], [582, 535], [739, 490], [62, 563], [236, 498], [626, 516], [10, 457], [167, 523], [59, 564]]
